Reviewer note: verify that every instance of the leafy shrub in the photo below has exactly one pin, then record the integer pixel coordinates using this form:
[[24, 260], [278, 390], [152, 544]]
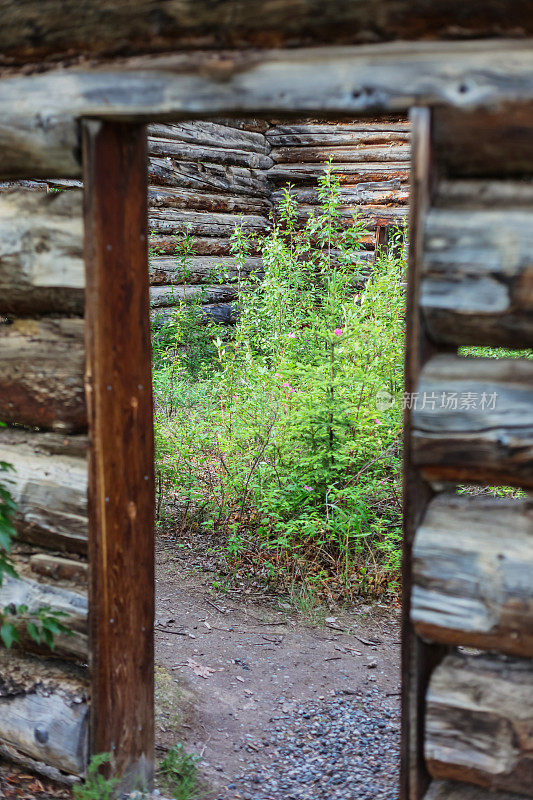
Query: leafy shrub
[[285, 448], [179, 773], [96, 786]]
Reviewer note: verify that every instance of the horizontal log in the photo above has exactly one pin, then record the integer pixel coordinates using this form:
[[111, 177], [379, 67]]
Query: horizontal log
[[57, 568], [338, 129], [44, 712], [35, 595], [212, 134], [378, 192], [170, 220], [30, 765], [207, 177], [341, 155], [68, 29], [479, 722], [41, 259], [348, 174], [473, 421], [451, 790], [371, 215], [471, 585], [486, 193], [42, 365], [476, 276], [486, 142], [355, 80], [219, 313], [202, 245], [164, 296], [334, 138], [195, 200], [49, 485], [198, 269], [183, 151]]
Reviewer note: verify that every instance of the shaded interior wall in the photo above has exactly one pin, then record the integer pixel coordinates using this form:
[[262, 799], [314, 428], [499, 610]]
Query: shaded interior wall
[[207, 176], [204, 177]]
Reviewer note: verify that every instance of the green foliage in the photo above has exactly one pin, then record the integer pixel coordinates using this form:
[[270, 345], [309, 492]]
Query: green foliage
[[282, 443], [42, 625], [179, 773], [96, 786]]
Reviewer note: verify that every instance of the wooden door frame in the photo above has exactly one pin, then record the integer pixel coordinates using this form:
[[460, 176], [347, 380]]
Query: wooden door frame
[[121, 512]]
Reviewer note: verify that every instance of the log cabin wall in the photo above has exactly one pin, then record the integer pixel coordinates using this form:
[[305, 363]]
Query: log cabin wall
[[370, 156], [469, 422], [44, 702], [204, 177]]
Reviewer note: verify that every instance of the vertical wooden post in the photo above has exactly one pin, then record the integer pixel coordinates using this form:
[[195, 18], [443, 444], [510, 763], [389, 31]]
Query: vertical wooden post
[[418, 658], [382, 240], [121, 480]]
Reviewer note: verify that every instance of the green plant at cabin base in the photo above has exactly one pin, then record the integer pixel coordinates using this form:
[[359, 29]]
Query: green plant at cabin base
[[278, 441], [96, 786], [178, 773], [41, 625]]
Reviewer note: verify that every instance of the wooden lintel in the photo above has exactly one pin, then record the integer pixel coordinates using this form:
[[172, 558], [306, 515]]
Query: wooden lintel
[[333, 80]]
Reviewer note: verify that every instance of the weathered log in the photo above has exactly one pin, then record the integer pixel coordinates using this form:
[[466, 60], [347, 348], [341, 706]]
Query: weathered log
[[472, 586], [49, 485], [41, 242], [195, 200], [42, 366], [473, 420], [44, 712], [68, 29], [202, 245], [485, 142], [165, 296], [329, 80], [378, 192], [207, 177], [171, 220], [477, 193], [322, 132], [59, 569], [198, 269], [477, 276], [212, 134], [348, 174], [479, 722], [30, 765], [35, 595], [337, 136], [220, 313], [341, 155], [183, 151], [450, 790], [371, 215]]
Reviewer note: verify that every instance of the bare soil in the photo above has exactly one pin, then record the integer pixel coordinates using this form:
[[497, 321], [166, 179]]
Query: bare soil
[[243, 660]]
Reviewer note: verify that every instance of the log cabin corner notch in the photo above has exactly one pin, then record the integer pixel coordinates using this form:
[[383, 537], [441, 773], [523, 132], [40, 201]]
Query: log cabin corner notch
[[40, 137]]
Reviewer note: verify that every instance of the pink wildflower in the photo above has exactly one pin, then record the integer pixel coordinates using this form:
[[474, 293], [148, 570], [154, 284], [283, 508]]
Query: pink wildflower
[[291, 389], [292, 335], [286, 384], [338, 331], [308, 488], [377, 422], [277, 375]]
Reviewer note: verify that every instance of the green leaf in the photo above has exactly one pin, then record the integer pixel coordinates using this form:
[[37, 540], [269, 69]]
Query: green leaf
[[8, 634]]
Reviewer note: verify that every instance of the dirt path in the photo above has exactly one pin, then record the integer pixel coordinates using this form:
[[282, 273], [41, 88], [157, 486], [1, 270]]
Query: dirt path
[[245, 670]]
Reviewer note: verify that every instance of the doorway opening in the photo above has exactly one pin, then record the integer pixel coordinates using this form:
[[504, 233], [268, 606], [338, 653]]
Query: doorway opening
[[277, 270]]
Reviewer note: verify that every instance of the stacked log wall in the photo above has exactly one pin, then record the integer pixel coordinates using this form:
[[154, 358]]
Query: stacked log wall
[[370, 157], [204, 178], [44, 695], [468, 555]]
